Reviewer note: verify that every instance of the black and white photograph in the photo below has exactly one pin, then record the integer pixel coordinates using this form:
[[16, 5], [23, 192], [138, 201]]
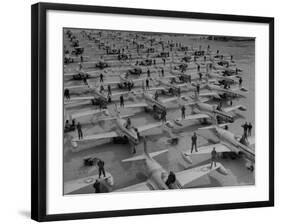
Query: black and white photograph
[[147, 111]]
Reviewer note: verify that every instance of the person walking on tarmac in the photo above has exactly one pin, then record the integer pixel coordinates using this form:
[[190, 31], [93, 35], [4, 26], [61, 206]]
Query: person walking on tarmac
[[128, 124], [198, 88], [200, 76], [162, 72], [121, 101], [73, 123], [214, 157], [96, 186], [79, 130], [183, 112], [194, 142], [245, 128], [109, 89], [101, 168], [250, 126], [147, 83], [148, 73], [101, 77]]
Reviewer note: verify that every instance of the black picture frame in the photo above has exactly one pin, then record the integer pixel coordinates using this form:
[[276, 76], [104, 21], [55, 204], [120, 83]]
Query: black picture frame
[[38, 108]]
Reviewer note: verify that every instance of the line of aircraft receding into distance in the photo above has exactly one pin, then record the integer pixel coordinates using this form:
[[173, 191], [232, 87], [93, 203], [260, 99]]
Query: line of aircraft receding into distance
[[138, 71]]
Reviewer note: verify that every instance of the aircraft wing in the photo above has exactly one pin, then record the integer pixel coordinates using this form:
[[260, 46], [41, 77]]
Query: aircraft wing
[[76, 87], [143, 186], [111, 82], [81, 98], [212, 80], [187, 176], [157, 88], [182, 85], [232, 92], [87, 113], [196, 116], [169, 99], [136, 105], [208, 149], [149, 126], [76, 103], [90, 62], [237, 107], [230, 78], [210, 94], [70, 73], [138, 80], [110, 134], [169, 76], [190, 117]]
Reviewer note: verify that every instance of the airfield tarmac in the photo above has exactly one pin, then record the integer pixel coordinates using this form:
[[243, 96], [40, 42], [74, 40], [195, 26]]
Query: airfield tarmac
[[129, 173]]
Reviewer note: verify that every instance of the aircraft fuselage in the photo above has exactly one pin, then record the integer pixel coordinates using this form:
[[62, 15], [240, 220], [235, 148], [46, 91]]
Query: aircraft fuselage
[[236, 146], [229, 92], [211, 110], [158, 175], [151, 101], [130, 133], [169, 85]]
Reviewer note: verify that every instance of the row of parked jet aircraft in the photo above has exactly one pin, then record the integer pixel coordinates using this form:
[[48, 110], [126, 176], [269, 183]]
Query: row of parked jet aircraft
[[139, 74]]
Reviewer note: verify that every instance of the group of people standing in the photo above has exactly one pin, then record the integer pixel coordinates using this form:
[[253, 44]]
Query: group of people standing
[[247, 128], [214, 155]]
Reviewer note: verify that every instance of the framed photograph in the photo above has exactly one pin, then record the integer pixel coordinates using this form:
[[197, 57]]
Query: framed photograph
[[140, 111]]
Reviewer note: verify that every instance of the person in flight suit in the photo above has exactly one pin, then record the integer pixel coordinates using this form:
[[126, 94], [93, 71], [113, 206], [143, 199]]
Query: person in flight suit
[[121, 101], [194, 142], [101, 168], [101, 77], [183, 112], [250, 126], [79, 130], [214, 157]]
